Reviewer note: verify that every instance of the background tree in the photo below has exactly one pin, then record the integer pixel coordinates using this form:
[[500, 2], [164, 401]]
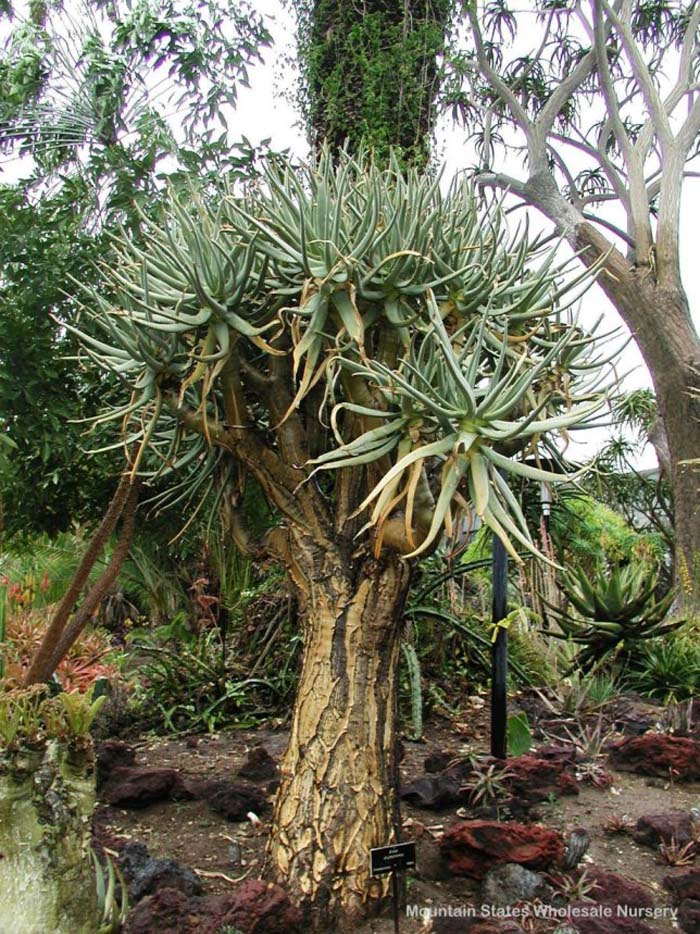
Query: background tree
[[601, 102], [103, 104]]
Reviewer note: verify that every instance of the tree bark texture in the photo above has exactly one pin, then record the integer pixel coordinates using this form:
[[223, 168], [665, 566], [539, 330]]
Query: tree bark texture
[[654, 306], [47, 882], [337, 794]]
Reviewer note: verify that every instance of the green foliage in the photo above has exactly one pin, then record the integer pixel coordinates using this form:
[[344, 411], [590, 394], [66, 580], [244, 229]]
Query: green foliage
[[29, 718], [579, 693], [488, 784], [41, 566], [80, 711], [453, 635], [76, 94], [519, 734], [587, 533], [414, 676], [641, 497], [192, 687], [412, 308], [666, 669], [611, 613], [112, 895], [46, 480], [3, 625], [372, 78]]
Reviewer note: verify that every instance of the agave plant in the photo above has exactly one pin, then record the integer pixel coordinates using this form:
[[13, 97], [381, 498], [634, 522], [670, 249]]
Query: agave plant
[[613, 612]]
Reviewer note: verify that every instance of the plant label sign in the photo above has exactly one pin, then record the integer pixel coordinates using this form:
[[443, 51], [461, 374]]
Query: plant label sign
[[393, 858]]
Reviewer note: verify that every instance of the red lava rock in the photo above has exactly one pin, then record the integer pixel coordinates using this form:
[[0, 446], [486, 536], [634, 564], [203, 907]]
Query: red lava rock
[[658, 754], [139, 787], [166, 912], [258, 908], [653, 829], [689, 915], [535, 778], [110, 754], [617, 890], [473, 847], [587, 922], [259, 766], [684, 883]]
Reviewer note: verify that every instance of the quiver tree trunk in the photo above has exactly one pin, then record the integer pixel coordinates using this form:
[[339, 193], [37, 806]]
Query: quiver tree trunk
[[337, 793], [47, 881]]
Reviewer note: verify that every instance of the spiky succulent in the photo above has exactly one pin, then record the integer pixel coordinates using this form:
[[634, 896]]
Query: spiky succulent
[[435, 343], [615, 610]]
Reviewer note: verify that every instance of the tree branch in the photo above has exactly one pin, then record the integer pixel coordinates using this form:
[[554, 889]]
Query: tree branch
[[652, 98], [41, 662], [500, 87]]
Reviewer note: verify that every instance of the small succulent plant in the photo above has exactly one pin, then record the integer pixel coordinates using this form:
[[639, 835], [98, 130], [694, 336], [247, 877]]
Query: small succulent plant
[[615, 611]]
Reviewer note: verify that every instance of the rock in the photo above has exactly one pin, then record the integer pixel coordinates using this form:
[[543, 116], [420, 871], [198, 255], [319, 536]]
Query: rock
[[437, 761], [474, 926], [577, 844], [437, 792], [258, 908], [616, 890], [633, 717], [429, 863], [536, 778], [511, 883], [533, 779], [164, 873], [689, 915], [676, 757], [132, 858], [259, 766], [583, 919], [684, 883], [146, 874], [234, 800], [653, 829], [138, 787], [472, 848], [166, 912], [110, 754]]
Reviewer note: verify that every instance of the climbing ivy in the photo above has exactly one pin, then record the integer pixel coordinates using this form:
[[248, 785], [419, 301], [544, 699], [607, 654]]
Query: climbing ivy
[[371, 75]]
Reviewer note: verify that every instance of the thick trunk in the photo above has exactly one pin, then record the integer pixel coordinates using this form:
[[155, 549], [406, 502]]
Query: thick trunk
[[47, 881], [662, 327], [657, 314], [337, 794]]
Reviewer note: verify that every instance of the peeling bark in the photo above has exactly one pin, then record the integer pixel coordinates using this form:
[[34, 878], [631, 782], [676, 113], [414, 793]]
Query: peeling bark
[[337, 794]]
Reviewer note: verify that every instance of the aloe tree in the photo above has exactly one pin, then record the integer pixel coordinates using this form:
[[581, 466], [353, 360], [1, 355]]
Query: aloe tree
[[379, 358]]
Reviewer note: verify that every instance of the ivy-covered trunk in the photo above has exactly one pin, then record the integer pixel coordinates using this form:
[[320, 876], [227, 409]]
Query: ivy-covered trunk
[[47, 794], [337, 794]]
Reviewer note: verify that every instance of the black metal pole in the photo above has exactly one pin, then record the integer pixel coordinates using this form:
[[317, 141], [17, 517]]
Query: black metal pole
[[499, 651], [395, 899]]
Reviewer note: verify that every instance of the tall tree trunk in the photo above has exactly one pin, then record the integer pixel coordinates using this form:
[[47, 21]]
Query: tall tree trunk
[[337, 794], [657, 313], [372, 74]]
